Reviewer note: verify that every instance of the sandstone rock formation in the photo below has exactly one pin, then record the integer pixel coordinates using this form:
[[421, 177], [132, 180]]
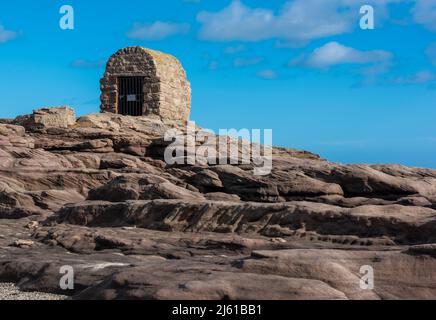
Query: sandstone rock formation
[[95, 194], [57, 117]]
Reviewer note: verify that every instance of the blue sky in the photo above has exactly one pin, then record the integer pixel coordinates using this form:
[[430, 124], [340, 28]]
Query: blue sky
[[303, 68]]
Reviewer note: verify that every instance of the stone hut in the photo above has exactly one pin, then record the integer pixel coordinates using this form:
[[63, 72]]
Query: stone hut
[[144, 82]]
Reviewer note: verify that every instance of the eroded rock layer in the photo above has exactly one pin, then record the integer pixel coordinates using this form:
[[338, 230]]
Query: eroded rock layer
[[97, 195]]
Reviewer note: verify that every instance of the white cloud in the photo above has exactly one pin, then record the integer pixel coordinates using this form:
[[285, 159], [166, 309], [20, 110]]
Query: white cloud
[[267, 74], [6, 35], [374, 64], [157, 30], [298, 20], [242, 62], [417, 78], [334, 53], [424, 13], [236, 22], [371, 64]]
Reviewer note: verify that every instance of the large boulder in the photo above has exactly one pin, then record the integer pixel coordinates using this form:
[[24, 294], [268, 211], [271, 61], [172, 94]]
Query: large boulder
[[54, 117]]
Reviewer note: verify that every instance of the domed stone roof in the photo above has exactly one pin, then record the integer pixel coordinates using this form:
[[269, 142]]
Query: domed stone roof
[[144, 82]]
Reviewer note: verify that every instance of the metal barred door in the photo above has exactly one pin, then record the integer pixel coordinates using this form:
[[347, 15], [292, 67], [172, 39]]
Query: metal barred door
[[130, 95]]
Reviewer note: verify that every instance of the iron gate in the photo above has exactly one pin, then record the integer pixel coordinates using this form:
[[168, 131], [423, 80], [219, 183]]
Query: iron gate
[[130, 95]]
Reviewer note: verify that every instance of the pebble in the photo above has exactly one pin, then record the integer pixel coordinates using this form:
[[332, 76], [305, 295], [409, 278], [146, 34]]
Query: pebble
[[9, 291]]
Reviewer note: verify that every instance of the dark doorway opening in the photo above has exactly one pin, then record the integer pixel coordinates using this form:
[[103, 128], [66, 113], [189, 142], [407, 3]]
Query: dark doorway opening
[[130, 96]]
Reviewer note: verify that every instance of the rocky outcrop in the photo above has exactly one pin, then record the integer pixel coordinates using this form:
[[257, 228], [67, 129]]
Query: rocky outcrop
[[95, 193], [57, 117], [398, 223], [142, 187], [14, 136]]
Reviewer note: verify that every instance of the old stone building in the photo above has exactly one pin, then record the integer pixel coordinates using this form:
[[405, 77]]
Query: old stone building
[[144, 82]]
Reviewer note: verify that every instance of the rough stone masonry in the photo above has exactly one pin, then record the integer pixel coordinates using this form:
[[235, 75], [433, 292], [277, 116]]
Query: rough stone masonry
[[167, 92]]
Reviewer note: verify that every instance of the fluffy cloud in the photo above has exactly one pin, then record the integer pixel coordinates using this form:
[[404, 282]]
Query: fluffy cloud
[[236, 22], [334, 53], [6, 35], [371, 64], [157, 31], [375, 63], [424, 13], [298, 20]]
